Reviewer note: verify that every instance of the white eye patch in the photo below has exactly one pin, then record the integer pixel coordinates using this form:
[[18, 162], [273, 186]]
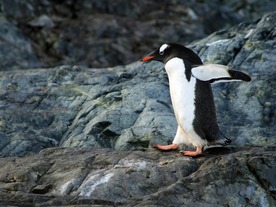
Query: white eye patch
[[162, 49]]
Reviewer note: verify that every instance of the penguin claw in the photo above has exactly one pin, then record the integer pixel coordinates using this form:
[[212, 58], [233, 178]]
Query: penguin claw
[[166, 147]]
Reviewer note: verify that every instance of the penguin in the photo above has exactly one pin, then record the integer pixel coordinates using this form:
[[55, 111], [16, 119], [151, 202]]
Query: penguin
[[192, 97]]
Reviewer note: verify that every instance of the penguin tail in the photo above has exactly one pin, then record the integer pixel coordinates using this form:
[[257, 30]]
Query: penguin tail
[[223, 140]]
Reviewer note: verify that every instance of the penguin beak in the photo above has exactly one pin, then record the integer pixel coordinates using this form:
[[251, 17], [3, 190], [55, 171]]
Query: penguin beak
[[147, 58]]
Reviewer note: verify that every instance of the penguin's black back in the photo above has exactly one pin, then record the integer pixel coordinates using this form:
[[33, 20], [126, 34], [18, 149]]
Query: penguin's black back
[[205, 122]]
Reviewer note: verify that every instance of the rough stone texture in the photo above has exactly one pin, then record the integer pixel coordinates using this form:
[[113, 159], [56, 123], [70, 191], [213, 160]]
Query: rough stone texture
[[84, 114], [80, 107], [119, 32], [79, 177]]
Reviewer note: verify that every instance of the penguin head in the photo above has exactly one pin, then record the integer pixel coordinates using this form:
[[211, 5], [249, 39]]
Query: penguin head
[[162, 54], [171, 50]]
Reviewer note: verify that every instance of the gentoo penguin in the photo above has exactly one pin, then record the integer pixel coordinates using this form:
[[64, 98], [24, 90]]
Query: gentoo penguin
[[192, 96]]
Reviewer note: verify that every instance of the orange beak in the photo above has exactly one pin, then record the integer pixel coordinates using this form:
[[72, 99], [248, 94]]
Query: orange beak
[[146, 58]]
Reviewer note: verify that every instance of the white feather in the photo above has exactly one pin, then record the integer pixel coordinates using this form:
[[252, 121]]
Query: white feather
[[224, 81], [181, 137], [182, 94], [210, 71], [163, 47]]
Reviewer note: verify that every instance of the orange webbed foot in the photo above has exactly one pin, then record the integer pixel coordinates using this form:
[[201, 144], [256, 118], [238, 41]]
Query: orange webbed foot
[[193, 153], [166, 147]]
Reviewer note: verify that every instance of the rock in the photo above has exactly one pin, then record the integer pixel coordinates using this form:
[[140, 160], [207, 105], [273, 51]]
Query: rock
[[42, 21], [16, 50], [82, 177], [118, 33], [240, 104], [72, 135], [128, 107], [80, 107]]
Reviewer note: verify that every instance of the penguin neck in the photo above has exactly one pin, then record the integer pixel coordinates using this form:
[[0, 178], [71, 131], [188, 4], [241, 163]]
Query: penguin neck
[[175, 67]]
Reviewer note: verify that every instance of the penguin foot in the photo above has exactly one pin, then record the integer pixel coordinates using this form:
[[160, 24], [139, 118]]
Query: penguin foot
[[193, 153], [166, 147]]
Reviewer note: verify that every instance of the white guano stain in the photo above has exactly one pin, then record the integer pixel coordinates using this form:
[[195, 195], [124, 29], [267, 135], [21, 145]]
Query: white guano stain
[[218, 42], [65, 188], [137, 165], [93, 182]]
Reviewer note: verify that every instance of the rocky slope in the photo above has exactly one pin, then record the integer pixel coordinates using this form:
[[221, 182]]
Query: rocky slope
[[127, 108], [111, 32]]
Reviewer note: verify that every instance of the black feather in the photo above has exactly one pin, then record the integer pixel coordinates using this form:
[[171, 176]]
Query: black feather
[[238, 75]]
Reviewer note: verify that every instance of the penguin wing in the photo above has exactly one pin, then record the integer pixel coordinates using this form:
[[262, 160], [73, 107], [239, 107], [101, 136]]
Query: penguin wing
[[218, 73]]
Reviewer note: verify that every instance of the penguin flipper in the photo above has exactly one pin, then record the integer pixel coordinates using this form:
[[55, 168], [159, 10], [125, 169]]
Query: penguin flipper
[[218, 73]]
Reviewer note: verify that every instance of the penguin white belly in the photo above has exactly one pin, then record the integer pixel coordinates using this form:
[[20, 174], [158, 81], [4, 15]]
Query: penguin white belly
[[182, 94]]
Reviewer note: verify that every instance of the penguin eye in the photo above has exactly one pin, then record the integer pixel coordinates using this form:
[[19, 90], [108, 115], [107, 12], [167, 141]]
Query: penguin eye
[[161, 52]]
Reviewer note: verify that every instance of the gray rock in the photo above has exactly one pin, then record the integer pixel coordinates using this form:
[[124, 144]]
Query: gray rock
[[83, 177], [128, 107], [16, 50], [98, 124], [42, 21], [119, 32], [245, 106], [123, 106]]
